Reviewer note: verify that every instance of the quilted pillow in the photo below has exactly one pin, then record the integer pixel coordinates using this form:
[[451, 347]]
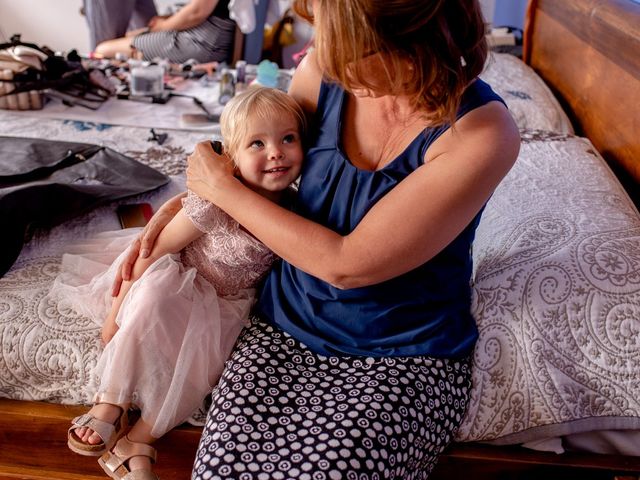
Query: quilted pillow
[[530, 101], [556, 298]]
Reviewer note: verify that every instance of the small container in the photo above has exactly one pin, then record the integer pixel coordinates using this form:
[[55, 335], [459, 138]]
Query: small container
[[147, 81], [241, 70], [250, 72], [227, 87]]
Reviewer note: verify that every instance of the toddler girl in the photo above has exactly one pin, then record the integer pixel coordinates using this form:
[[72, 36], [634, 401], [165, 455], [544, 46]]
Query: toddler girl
[[170, 329]]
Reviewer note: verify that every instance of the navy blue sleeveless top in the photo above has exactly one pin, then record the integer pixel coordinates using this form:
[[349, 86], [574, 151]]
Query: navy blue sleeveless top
[[425, 311]]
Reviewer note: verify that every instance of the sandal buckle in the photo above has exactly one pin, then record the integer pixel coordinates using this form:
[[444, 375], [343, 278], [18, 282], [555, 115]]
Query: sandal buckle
[[111, 463], [82, 420]]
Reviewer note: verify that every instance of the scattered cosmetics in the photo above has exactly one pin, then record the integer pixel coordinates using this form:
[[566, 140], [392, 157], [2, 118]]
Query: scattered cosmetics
[[147, 80], [132, 78], [241, 71], [227, 87]]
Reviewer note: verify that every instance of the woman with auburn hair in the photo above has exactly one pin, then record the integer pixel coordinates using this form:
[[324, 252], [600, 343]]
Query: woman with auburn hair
[[357, 363]]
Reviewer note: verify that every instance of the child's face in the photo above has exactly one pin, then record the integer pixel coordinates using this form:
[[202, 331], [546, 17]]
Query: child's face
[[270, 155]]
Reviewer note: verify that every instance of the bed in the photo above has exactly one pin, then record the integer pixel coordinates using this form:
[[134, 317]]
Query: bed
[[556, 275]]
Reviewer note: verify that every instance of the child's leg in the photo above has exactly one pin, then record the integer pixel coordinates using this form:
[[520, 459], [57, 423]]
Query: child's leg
[[110, 48], [110, 327], [140, 433]]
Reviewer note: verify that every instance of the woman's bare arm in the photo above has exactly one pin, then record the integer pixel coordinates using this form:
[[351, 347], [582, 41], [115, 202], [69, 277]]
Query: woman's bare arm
[[143, 245], [406, 228], [191, 15], [305, 84]]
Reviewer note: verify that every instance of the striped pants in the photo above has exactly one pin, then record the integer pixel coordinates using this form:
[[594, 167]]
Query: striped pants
[[109, 19], [211, 41]]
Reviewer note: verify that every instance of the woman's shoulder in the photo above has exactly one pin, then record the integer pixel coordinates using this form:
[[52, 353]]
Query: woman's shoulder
[[488, 131], [492, 134], [478, 93], [305, 84]]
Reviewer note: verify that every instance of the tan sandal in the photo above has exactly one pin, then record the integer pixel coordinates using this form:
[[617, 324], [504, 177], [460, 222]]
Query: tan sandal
[[108, 432], [114, 461]]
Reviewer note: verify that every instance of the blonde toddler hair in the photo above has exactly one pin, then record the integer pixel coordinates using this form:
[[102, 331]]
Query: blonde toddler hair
[[262, 103]]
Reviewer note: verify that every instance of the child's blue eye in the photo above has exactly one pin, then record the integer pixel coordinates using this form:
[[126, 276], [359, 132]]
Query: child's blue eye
[[289, 138], [257, 143]]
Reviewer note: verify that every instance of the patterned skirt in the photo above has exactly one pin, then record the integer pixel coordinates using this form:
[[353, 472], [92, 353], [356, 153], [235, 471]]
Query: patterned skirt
[[281, 411]]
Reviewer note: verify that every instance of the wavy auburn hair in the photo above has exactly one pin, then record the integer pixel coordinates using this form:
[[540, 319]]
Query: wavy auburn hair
[[442, 41]]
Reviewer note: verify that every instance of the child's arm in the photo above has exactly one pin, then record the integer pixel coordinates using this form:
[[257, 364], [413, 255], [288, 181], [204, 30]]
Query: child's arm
[[178, 233], [145, 241]]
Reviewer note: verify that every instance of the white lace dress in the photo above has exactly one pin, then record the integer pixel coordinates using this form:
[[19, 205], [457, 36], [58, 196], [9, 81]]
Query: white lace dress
[[178, 322]]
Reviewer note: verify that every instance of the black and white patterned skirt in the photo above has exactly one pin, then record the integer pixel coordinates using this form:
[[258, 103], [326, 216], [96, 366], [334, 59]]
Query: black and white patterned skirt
[[281, 411]]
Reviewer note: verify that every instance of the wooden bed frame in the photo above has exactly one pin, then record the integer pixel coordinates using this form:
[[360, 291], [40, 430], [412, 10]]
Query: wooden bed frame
[[588, 52]]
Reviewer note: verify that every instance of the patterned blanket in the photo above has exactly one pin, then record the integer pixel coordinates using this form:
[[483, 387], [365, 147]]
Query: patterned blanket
[[556, 287], [556, 298]]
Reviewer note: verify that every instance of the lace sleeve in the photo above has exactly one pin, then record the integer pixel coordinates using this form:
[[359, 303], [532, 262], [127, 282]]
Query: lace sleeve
[[204, 215]]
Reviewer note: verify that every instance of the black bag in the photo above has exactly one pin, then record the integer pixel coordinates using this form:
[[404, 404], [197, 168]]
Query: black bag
[[44, 183]]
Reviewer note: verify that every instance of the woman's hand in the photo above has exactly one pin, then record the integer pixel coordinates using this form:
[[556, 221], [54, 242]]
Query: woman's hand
[[156, 23], [208, 173], [142, 246], [157, 19]]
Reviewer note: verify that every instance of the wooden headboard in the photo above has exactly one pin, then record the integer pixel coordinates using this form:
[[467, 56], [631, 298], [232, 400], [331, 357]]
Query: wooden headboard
[[588, 52]]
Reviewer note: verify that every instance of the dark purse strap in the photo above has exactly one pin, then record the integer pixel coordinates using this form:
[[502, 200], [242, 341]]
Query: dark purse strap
[[15, 41]]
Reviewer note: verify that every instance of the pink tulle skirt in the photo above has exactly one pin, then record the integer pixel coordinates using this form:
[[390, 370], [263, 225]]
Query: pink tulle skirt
[[175, 332]]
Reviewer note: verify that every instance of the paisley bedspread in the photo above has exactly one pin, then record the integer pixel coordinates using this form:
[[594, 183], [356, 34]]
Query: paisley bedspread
[[556, 284], [556, 298]]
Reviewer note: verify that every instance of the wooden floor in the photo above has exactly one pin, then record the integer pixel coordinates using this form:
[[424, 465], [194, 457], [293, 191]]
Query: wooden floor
[[33, 447]]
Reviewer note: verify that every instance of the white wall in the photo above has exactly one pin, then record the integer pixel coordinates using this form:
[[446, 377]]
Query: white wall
[[54, 23]]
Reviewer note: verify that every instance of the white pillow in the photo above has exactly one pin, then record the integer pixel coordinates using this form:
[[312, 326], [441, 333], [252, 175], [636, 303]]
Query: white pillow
[[556, 297], [530, 101]]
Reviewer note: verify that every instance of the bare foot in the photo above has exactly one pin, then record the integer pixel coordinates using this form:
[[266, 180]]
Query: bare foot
[[106, 412]]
